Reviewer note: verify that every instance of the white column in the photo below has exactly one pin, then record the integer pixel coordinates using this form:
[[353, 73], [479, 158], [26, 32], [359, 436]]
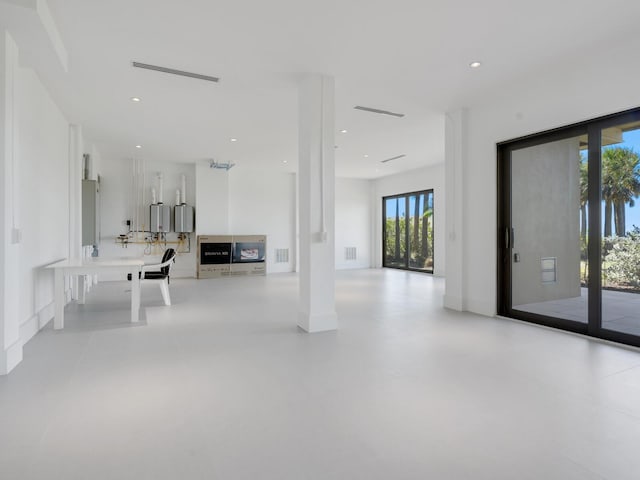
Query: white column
[[455, 161], [10, 344], [316, 183]]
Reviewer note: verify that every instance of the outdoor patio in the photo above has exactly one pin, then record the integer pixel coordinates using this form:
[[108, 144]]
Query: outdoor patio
[[620, 310]]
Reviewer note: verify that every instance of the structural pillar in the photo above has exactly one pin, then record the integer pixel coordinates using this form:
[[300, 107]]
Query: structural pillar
[[316, 213], [456, 157]]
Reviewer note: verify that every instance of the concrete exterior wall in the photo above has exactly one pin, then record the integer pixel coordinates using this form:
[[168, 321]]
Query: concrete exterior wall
[[545, 203]]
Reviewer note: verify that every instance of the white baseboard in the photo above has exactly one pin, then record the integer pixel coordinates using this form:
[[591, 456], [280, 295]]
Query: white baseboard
[[10, 357], [323, 322], [482, 307], [473, 305], [29, 328], [352, 266], [38, 321], [452, 303]]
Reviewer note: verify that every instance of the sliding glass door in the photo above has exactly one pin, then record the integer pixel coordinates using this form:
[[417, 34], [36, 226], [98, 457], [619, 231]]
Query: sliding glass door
[[545, 236], [568, 236], [395, 232], [620, 255], [408, 231]]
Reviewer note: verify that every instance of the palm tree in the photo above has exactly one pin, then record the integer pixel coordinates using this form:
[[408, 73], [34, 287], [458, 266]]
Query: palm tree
[[397, 252], [427, 230], [584, 198], [620, 185], [416, 224]]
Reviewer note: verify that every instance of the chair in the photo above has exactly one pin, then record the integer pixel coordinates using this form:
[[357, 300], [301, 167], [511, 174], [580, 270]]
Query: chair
[[159, 273]]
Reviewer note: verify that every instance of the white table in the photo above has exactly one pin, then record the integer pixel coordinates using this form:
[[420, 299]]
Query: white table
[[90, 266]]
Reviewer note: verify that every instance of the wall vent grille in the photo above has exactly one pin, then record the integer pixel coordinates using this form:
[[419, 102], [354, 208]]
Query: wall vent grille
[[350, 253], [282, 255]]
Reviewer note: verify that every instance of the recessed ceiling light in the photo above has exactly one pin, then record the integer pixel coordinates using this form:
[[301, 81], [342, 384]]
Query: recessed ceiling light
[[135, 99], [138, 146], [234, 139], [475, 64], [284, 161], [343, 131], [366, 156]]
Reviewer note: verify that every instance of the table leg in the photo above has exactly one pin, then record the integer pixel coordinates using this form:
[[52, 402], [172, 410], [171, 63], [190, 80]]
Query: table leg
[[135, 296], [58, 320]]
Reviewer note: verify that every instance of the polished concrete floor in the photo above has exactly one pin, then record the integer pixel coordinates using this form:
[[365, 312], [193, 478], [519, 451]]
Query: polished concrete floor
[[222, 385]]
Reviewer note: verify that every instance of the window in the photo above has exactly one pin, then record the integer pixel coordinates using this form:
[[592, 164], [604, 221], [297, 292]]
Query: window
[[407, 224]]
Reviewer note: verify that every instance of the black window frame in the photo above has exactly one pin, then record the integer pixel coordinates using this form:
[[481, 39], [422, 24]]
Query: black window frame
[[593, 129], [406, 196]]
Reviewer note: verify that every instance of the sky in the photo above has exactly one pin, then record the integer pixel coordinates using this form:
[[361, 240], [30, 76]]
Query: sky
[[631, 139], [401, 203]]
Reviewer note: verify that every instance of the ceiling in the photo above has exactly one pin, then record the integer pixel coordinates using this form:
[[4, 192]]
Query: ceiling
[[405, 56]]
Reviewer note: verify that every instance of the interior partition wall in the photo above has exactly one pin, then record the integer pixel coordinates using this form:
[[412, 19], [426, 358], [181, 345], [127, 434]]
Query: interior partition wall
[[407, 236], [569, 228]]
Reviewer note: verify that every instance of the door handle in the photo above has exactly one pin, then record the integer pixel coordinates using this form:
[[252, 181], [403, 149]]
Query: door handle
[[509, 238]]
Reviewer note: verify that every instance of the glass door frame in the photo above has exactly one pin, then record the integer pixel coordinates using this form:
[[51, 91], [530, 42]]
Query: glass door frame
[[406, 196], [593, 129]]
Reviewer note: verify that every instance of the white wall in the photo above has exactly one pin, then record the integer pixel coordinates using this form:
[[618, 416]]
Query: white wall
[[95, 163], [43, 193], [353, 222], [10, 345], [426, 178], [597, 82], [115, 208], [264, 204], [35, 166], [241, 202], [212, 200]]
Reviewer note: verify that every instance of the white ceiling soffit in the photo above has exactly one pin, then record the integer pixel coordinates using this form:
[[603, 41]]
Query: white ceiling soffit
[[34, 28]]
